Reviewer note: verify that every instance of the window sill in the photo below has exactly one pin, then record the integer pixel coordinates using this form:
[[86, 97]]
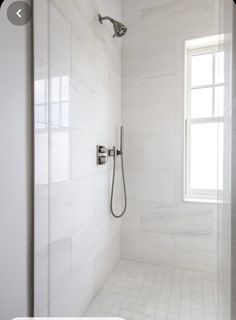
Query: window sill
[[199, 200]]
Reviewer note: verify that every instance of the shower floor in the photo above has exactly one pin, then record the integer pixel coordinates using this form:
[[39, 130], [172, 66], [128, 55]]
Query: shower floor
[[137, 291]]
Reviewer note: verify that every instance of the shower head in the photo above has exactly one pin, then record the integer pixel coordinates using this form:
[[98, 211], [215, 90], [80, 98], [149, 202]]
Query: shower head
[[119, 28]]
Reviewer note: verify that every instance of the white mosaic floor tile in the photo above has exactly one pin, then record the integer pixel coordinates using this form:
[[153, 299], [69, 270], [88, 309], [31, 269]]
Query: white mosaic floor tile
[[137, 291]]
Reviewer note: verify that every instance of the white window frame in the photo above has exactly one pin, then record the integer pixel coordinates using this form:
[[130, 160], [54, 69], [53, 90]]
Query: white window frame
[[199, 195]]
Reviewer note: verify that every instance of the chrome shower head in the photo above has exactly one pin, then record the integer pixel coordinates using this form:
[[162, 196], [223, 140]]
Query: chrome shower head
[[119, 28]]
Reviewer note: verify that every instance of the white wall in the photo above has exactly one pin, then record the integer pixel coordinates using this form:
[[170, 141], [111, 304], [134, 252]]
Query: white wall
[[72, 192], [15, 142], [159, 227]]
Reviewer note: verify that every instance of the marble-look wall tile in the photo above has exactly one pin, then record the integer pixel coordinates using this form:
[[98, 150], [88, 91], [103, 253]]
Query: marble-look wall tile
[[168, 156], [196, 253], [150, 121], [147, 247], [149, 57], [179, 17], [76, 293], [153, 89], [178, 220], [137, 5], [103, 264], [82, 86], [60, 41], [142, 184], [81, 108], [153, 116]]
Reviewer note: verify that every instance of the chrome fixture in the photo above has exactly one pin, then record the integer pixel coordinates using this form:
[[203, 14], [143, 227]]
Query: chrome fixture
[[102, 155], [114, 154], [119, 28]]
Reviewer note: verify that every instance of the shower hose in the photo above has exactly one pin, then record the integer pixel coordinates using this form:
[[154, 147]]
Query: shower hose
[[115, 153]]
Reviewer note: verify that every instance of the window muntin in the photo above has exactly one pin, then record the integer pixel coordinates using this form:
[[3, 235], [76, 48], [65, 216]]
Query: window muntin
[[204, 123]]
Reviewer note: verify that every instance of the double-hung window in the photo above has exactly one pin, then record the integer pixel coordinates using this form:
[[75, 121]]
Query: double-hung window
[[204, 122]]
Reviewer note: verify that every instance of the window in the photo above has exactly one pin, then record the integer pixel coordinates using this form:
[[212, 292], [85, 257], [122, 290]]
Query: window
[[204, 122]]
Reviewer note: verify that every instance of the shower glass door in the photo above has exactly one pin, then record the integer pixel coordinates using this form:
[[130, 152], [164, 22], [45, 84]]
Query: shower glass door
[[167, 82]]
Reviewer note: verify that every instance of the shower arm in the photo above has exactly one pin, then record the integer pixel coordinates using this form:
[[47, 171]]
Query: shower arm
[[100, 18]]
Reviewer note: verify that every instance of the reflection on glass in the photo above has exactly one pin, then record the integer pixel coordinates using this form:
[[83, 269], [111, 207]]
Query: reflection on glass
[[41, 119], [60, 135], [55, 89], [201, 103], [55, 114], [40, 115], [40, 91], [65, 114], [41, 157], [219, 67], [60, 101], [60, 155], [219, 101], [60, 121], [202, 69], [65, 89]]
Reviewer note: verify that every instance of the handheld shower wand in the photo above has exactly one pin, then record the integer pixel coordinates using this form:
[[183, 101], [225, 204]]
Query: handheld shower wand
[[114, 153]]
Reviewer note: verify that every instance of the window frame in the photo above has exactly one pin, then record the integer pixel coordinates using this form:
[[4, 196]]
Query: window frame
[[190, 194]]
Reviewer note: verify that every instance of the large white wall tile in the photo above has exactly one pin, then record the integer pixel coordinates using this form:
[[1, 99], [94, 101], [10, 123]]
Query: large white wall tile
[[150, 121], [153, 116], [60, 40], [82, 240], [106, 260], [180, 17], [83, 153], [168, 156], [182, 220], [150, 57], [196, 253], [136, 5], [76, 294], [142, 184], [148, 248]]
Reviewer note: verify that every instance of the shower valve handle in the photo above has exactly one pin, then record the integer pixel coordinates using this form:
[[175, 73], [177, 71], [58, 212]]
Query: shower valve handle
[[102, 160], [102, 149], [101, 155]]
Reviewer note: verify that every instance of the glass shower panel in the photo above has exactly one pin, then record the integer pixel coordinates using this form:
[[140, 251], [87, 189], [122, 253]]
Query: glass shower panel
[[41, 160], [224, 208], [160, 260]]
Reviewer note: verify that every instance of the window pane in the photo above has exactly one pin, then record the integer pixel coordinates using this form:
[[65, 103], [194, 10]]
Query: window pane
[[201, 103], [219, 101], [202, 70], [204, 156], [219, 67]]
